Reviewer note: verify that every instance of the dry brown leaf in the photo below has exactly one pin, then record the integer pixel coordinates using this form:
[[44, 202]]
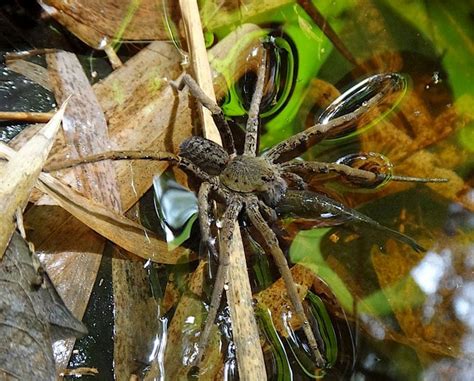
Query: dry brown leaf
[[19, 176], [99, 23], [115, 227], [34, 72], [86, 133]]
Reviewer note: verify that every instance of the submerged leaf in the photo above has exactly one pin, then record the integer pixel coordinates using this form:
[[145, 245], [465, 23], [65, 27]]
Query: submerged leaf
[[422, 295]]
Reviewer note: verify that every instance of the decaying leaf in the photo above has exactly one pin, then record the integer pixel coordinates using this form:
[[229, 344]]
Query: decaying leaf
[[19, 176], [33, 315], [420, 291], [183, 336], [99, 23], [275, 299], [135, 310], [117, 228]]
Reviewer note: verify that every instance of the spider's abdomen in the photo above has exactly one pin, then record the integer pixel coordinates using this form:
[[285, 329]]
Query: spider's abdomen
[[204, 153], [248, 174]]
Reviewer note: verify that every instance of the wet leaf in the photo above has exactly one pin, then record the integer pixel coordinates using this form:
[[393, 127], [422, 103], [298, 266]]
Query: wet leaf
[[135, 310], [422, 295], [276, 300], [33, 315], [183, 335]]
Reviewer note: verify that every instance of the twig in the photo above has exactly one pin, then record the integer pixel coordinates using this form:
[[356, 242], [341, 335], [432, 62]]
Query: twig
[[113, 57], [244, 326], [30, 117]]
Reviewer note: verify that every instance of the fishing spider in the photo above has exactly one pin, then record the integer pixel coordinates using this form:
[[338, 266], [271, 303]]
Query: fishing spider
[[254, 184]]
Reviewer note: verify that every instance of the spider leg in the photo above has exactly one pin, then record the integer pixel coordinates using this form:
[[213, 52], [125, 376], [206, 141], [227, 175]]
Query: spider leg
[[181, 162], [295, 178], [282, 264], [306, 204], [356, 176], [268, 212], [299, 143], [213, 107], [225, 240], [251, 132], [204, 217]]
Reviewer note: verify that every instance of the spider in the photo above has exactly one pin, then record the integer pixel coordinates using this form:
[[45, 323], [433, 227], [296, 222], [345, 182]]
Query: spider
[[255, 185]]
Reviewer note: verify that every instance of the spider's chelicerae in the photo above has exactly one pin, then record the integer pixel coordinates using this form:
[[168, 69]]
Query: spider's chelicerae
[[255, 185]]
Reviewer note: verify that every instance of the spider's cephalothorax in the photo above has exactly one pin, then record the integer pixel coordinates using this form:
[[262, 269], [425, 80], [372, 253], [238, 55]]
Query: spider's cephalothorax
[[261, 185], [243, 174], [249, 174]]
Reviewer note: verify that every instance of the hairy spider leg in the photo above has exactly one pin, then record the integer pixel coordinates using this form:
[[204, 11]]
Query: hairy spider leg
[[360, 177], [205, 211], [225, 241], [171, 158], [272, 243], [251, 131], [302, 204], [301, 142], [213, 107], [296, 179]]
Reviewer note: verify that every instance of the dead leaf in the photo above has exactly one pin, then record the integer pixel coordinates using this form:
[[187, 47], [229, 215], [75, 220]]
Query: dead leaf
[[19, 176], [419, 290], [183, 335], [33, 315], [99, 23], [275, 299], [135, 310]]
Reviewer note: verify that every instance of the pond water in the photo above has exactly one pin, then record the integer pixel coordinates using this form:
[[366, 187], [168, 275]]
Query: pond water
[[383, 310]]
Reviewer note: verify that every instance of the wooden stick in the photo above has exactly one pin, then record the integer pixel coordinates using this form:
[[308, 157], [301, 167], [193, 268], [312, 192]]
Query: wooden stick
[[30, 117], [113, 57], [200, 63], [250, 360]]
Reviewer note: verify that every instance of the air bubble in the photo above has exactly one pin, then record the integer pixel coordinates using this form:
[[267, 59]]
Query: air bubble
[[381, 91], [372, 162]]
